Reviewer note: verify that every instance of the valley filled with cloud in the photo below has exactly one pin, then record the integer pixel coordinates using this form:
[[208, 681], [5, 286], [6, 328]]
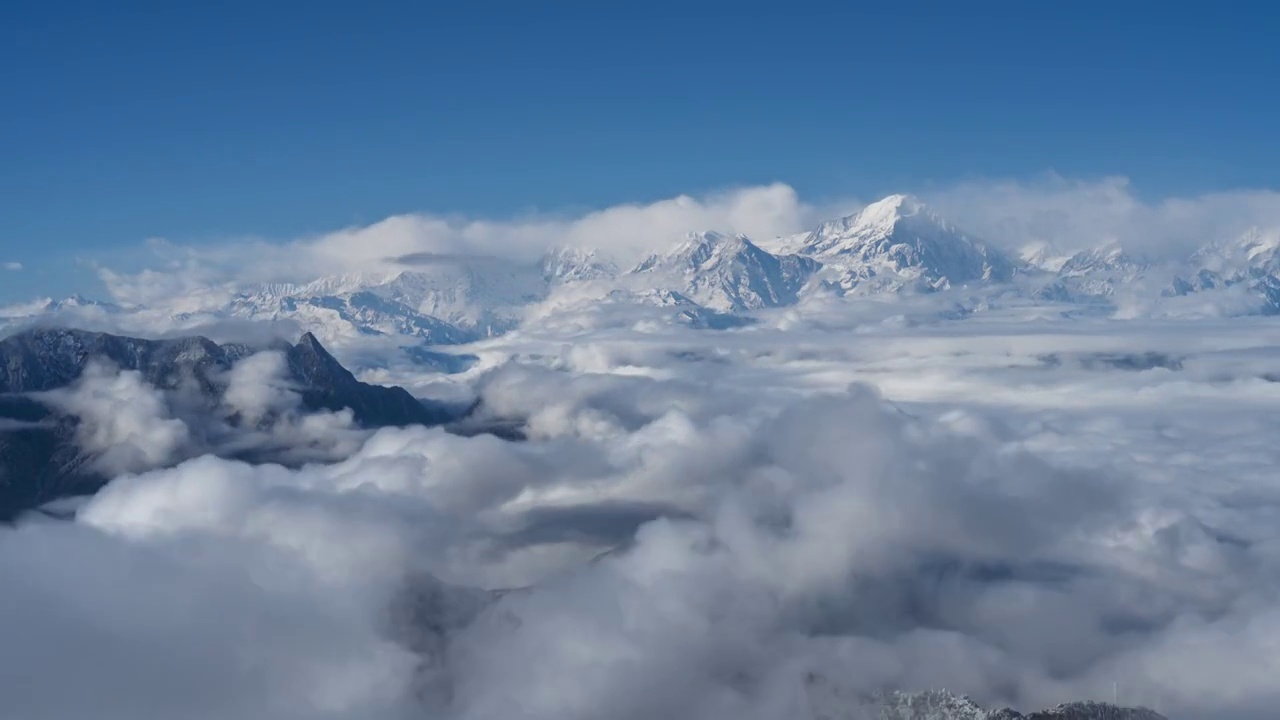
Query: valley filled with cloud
[[734, 456]]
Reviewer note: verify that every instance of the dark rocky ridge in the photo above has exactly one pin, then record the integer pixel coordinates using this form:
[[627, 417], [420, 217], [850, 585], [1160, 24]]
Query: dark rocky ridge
[[942, 705], [39, 458]]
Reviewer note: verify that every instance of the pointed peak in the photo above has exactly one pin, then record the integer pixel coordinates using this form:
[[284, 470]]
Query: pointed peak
[[882, 216], [899, 201], [309, 342]]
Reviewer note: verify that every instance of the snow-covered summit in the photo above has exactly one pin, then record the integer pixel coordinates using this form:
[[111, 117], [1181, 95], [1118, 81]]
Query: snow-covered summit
[[1110, 258], [1247, 266], [727, 272], [899, 243]]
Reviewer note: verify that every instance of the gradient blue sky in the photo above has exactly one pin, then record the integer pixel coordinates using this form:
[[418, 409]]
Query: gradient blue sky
[[201, 121]]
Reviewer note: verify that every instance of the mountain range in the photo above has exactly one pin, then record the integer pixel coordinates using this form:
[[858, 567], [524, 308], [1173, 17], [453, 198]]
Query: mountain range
[[897, 245]]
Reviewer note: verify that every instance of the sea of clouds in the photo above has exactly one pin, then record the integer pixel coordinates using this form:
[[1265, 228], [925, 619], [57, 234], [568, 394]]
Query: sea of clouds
[[772, 521]]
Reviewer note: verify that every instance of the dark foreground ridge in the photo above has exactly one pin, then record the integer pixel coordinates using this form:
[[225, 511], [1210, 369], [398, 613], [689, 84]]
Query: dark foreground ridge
[[39, 458], [942, 705]]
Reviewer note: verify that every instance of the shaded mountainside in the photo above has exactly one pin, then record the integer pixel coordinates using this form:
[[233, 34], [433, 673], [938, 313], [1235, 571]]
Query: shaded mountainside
[[50, 358], [40, 458]]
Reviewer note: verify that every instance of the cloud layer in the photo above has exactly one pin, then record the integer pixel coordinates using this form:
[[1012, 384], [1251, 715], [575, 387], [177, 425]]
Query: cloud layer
[[702, 525]]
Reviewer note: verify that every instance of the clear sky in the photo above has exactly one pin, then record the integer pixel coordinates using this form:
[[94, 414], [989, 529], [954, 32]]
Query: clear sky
[[199, 121]]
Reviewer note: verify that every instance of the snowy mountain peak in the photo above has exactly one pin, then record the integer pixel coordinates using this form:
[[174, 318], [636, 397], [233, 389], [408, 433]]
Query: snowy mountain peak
[[889, 210], [728, 272], [1257, 251], [1250, 262], [880, 218], [701, 250], [1105, 258], [1043, 255], [1258, 244], [899, 243]]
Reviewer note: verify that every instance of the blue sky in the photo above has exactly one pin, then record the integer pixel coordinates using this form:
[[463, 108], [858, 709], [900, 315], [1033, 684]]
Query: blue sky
[[200, 122]]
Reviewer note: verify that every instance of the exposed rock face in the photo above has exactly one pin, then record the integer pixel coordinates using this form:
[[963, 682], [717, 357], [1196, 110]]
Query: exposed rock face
[[830, 702]]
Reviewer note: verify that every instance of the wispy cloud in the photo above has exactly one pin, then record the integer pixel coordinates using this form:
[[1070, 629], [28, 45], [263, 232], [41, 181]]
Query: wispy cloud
[[13, 266]]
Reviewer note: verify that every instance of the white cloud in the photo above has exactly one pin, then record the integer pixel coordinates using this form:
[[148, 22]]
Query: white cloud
[[1024, 508], [123, 420], [1080, 214], [12, 266]]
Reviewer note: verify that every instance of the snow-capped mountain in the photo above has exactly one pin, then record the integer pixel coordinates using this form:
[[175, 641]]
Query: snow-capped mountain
[[728, 273], [1253, 254], [895, 245], [568, 264], [479, 295], [444, 300], [899, 244], [1248, 267], [1109, 259], [49, 306], [345, 315], [1043, 256], [1094, 274]]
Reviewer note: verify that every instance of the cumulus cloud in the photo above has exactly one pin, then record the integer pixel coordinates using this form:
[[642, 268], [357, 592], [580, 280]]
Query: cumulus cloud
[[193, 629], [124, 424], [123, 421], [258, 387]]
